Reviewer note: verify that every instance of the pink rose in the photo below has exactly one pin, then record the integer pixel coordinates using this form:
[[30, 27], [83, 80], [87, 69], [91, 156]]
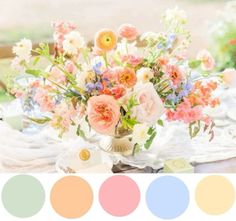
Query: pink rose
[[128, 31], [132, 59], [150, 106], [103, 114], [208, 62]]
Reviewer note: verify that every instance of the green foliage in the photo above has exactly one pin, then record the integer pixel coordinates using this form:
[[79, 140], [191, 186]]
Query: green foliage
[[40, 120], [127, 120], [223, 38], [152, 132], [194, 64]]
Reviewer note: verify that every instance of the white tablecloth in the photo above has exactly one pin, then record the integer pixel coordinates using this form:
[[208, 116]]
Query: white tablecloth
[[21, 152]]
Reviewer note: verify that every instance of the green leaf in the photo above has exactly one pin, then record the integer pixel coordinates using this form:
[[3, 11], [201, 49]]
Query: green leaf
[[160, 122], [36, 73], [36, 60], [80, 133], [150, 140], [40, 120], [194, 64]]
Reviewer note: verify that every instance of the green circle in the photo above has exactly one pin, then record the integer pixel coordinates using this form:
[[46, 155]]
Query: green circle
[[23, 196]]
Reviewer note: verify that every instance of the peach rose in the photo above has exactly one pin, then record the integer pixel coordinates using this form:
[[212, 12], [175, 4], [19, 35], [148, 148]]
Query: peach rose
[[128, 31], [208, 62], [150, 106], [103, 114]]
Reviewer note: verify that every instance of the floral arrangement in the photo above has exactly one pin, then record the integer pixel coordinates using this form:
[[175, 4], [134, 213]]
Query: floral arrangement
[[223, 37], [125, 84]]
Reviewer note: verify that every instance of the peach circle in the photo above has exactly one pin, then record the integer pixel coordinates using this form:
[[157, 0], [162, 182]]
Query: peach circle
[[215, 195], [71, 197], [119, 195]]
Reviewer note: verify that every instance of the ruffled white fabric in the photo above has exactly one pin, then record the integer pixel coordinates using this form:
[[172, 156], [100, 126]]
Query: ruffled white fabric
[[21, 152]]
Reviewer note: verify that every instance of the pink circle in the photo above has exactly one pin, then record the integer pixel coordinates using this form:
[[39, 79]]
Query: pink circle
[[119, 195]]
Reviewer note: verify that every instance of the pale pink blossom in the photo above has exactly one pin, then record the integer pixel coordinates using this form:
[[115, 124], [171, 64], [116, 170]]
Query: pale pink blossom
[[128, 31], [207, 61], [56, 75], [70, 67], [63, 117], [175, 74], [132, 59], [42, 97], [61, 28], [103, 114], [150, 106], [229, 77]]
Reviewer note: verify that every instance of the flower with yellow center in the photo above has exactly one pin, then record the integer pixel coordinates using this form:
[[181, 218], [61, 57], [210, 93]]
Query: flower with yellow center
[[105, 40]]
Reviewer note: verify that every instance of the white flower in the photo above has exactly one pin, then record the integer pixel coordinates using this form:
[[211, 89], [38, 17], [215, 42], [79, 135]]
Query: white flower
[[73, 43], [81, 79], [125, 48], [144, 74], [98, 64], [229, 77], [149, 36], [175, 15], [140, 134], [16, 64], [22, 49], [150, 106]]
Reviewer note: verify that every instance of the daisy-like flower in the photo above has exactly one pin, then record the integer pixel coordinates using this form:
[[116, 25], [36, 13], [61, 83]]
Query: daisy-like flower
[[127, 77], [73, 43], [144, 74], [105, 40], [22, 49]]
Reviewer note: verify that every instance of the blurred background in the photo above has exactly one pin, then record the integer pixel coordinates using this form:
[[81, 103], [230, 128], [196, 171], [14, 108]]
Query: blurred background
[[32, 18]]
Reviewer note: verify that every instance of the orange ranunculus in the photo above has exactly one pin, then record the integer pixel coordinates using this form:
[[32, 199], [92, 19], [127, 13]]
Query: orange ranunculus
[[105, 40], [127, 77]]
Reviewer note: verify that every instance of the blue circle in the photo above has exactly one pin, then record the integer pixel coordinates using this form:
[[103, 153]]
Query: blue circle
[[167, 197]]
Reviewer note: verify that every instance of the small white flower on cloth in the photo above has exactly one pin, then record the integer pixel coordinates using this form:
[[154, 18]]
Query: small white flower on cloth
[[140, 134], [22, 49], [144, 74], [73, 43]]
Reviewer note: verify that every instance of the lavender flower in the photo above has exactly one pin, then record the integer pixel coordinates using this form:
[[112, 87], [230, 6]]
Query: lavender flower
[[97, 67]]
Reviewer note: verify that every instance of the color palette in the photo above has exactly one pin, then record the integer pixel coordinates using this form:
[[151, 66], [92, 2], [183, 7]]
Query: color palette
[[119, 195], [71, 197], [105, 197], [23, 196], [167, 197]]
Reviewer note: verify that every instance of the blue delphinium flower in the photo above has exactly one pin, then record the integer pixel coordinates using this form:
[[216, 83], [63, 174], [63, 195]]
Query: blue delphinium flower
[[170, 40], [185, 90], [97, 67], [99, 86], [90, 86]]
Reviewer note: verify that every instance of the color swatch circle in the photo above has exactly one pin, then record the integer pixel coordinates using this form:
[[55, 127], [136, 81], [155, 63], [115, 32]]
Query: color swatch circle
[[71, 197], [167, 197], [215, 195], [119, 195], [23, 196]]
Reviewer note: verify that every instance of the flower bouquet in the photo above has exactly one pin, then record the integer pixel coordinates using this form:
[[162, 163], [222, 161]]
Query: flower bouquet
[[123, 87]]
